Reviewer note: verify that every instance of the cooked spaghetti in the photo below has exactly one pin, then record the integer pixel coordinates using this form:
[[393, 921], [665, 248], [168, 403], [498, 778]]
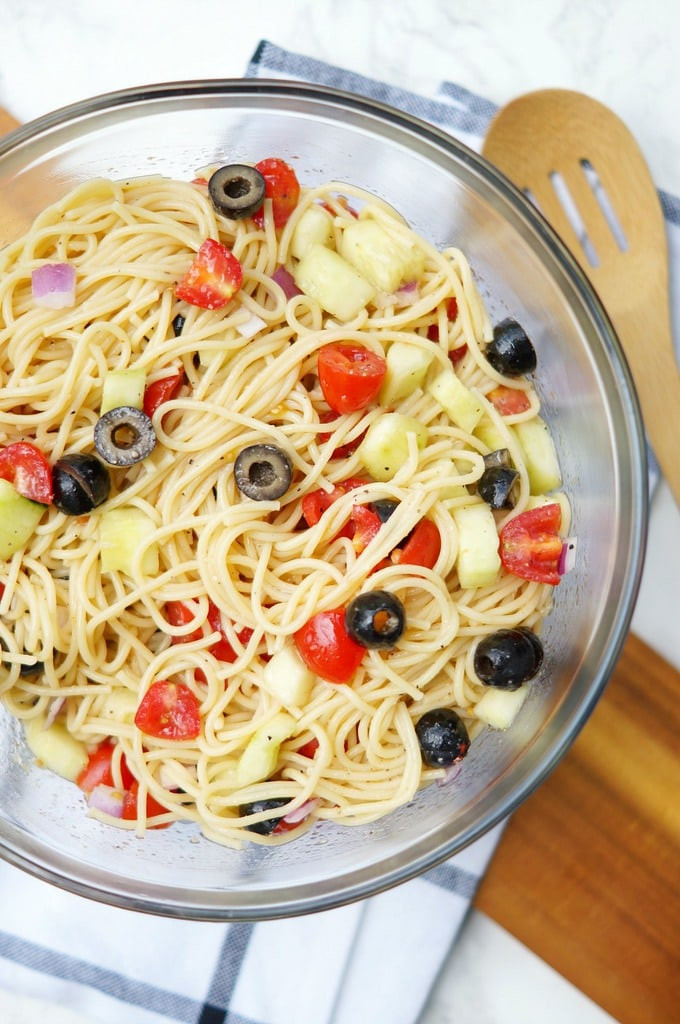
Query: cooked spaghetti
[[83, 643]]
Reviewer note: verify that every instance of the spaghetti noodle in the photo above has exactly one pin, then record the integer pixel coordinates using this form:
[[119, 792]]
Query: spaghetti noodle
[[249, 372]]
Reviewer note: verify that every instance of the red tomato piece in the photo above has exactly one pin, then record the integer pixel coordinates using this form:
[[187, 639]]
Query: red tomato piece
[[281, 186], [169, 711], [27, 469], [213, 278], [222, 648], [343, 451], [451, 314], [326, 647], [350, 376], [309, 748], [366, 524], [316, 502], [99, 771], [162, 390], [153, 807], [530, 544], [179, 614], [456, 354], [422, 547], [509, 401], [342, 201]]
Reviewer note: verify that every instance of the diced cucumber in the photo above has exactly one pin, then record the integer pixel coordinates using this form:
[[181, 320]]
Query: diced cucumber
[[540, 454], [287, 678], [464, 407], [122, 532], [407, 367], [55, 748], [258, 760], [478, 560], [327, 277], [381, 258], [123, 387], [19, 517], [490, 434], [315, 227], [385, 447], [498, 708], [120, 706]]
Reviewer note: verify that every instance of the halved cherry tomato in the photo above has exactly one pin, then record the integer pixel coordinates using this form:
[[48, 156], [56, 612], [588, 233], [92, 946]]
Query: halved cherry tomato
[[169, 711], [27, 469], [350, 376], [326, 647], [509, 401], [213, 278], [422, 547], [281, 186], [98, 770], [162, 390], [530, 544], [153, 807]]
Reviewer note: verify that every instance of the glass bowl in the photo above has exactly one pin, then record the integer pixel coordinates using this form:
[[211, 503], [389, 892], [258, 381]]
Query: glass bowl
[[450, 196]]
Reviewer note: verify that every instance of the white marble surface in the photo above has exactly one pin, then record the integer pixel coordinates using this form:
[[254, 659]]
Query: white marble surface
[[623, 52]]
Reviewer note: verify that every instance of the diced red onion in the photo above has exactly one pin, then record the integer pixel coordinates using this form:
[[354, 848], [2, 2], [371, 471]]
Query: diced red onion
[[252, 325], [55, 707], [300, 813], [286, 281], [107, 799], [450, 773], [567, 558], [53, 285]]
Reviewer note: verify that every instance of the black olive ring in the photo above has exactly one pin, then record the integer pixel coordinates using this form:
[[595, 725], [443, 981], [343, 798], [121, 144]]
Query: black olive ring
[[263, 472], [237, 190], [375, 619], [124, 436]]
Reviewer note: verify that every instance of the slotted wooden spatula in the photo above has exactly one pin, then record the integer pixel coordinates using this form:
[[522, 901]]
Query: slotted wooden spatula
[[584, 170]]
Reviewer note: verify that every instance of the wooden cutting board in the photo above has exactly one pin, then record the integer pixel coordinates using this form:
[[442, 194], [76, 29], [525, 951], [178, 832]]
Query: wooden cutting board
[[587, 874]]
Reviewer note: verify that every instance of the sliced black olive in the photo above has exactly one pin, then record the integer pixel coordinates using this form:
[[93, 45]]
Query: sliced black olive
[[263, 472], [266, 827], [34, 669], [443, 738], [375, 619], [237, 190], [499, 457], [124, 435], [178, 324], [508, 658], [495, 486], [384, 507], [80, 482], [510, 352]]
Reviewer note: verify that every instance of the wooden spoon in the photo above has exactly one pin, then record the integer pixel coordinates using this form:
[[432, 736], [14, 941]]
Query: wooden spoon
[[548, 139]]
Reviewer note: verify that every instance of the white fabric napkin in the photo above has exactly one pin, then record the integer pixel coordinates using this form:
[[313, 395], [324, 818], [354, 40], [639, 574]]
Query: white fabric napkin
[[373, 962]]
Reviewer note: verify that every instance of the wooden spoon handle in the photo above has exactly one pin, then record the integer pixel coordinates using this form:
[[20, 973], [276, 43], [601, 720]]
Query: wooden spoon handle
[[657, 383], [7, 122]]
